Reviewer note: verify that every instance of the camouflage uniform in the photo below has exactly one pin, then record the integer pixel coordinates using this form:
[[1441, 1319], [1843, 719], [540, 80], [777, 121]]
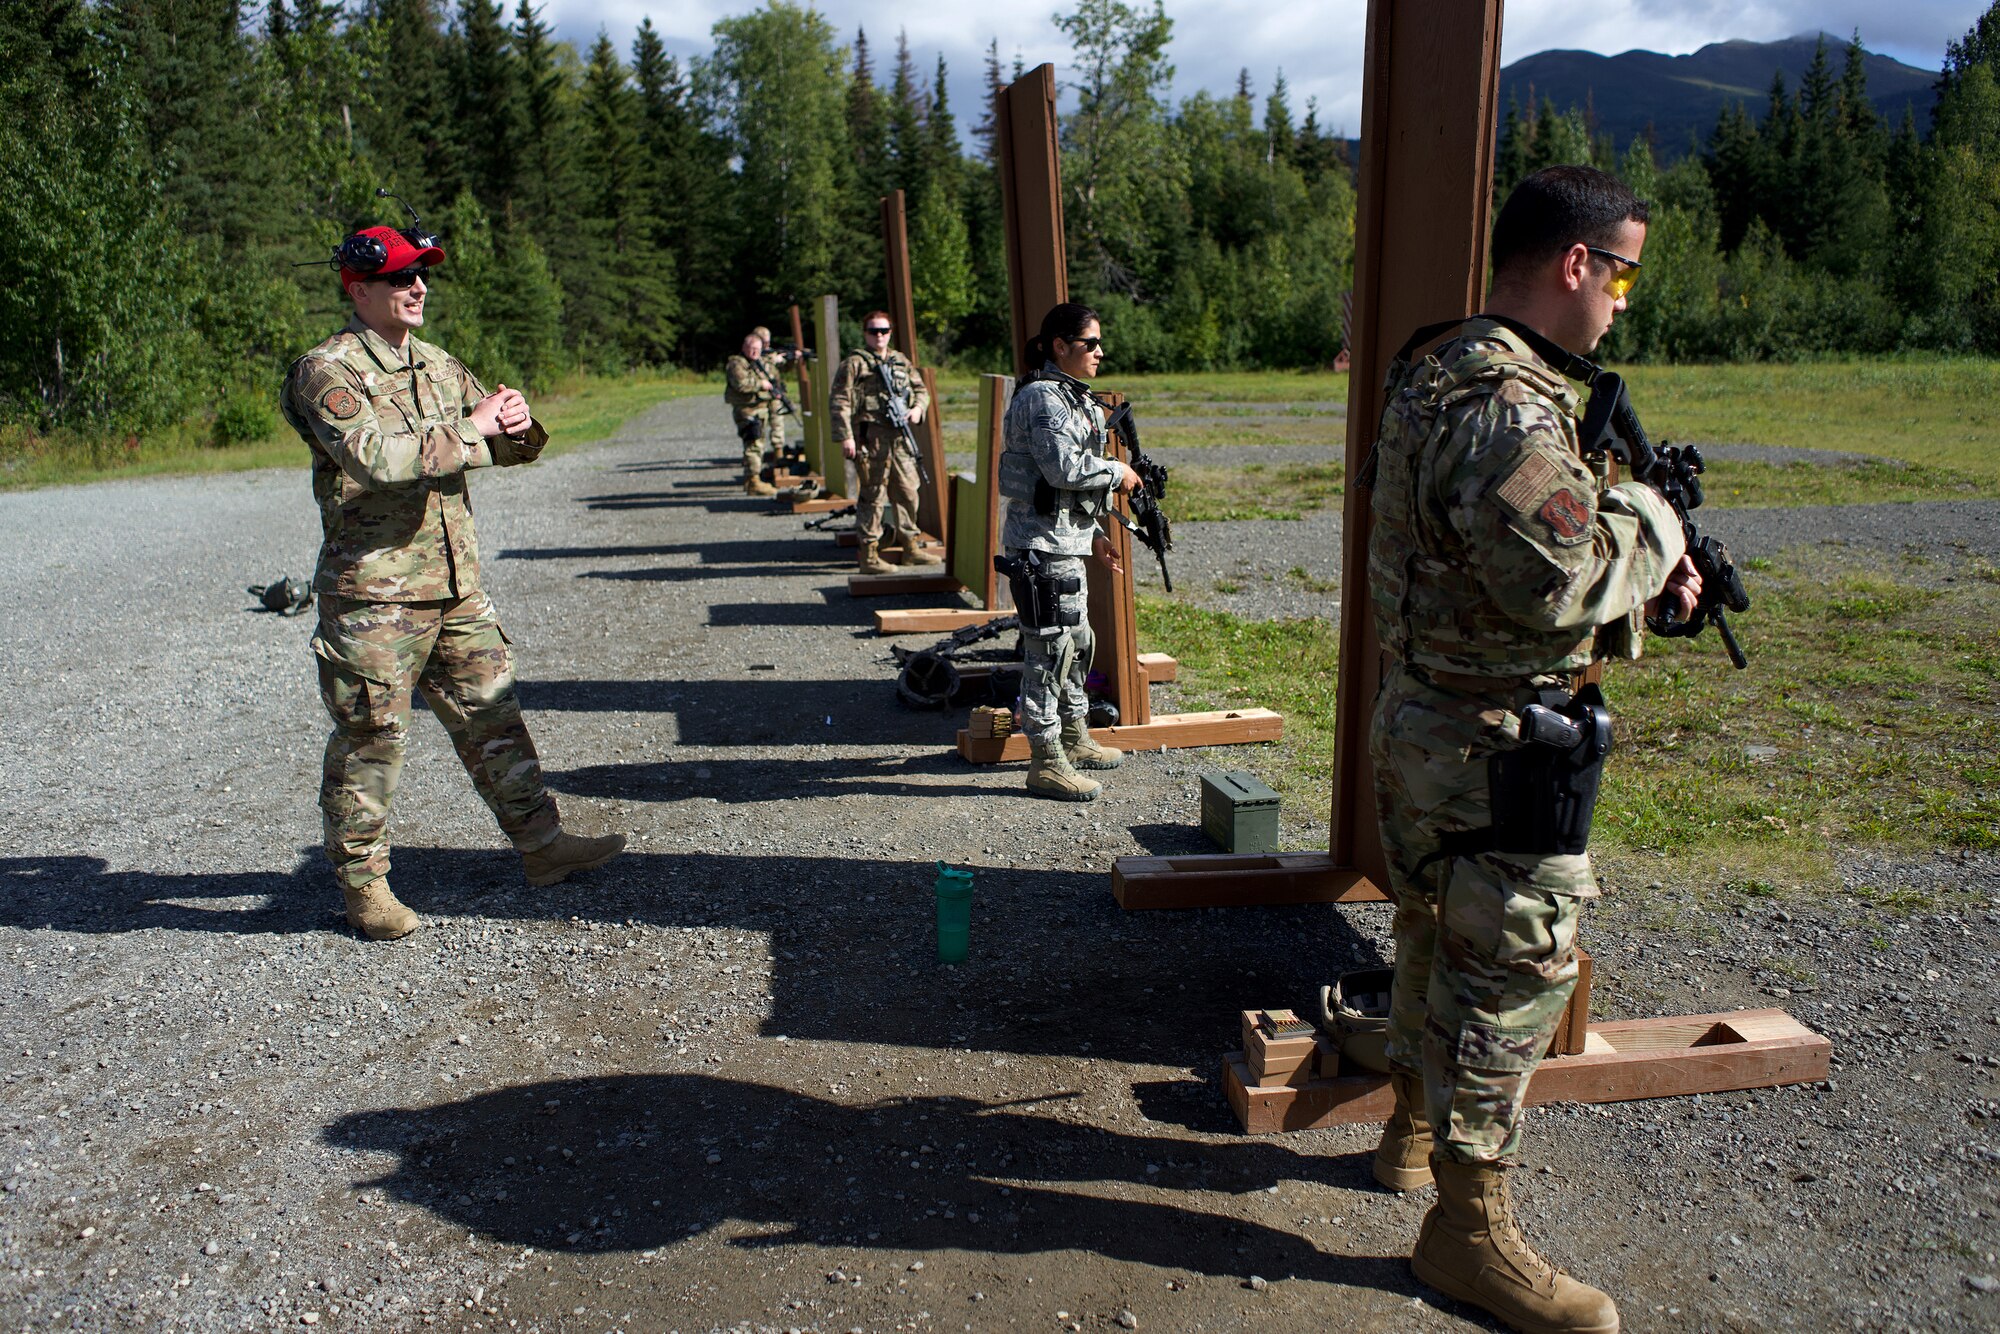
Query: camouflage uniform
[[401, 606], [1054, 433], [755, 408], [1497, 555], [883, 463]]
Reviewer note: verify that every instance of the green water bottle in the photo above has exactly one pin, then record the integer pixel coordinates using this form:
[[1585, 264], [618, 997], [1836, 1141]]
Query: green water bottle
[[954, 912]]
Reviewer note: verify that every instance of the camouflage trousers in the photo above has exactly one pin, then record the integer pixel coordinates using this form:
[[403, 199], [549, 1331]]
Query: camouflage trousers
[[371, 656], [886, 473], [759, 427], [1485, 945], [1056, 661]]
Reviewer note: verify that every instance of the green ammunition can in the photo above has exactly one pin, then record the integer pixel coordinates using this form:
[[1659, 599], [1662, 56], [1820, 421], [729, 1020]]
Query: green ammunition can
[[1239, 812]]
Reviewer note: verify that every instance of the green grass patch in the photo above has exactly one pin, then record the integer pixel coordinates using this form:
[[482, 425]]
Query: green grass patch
[[1865, 720], [1935, 411], [577, 411], [1733, 482], [1230, 662], [1198, 492]]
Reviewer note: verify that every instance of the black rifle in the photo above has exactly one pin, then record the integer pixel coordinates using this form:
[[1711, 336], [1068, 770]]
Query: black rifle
[[898, 408], [823, 520], [1151, 526], [1610, 426]]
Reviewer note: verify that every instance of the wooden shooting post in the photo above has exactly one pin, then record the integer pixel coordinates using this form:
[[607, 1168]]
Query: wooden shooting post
[[1038, 279], [1428, 108], [933, 513], [822, 457]]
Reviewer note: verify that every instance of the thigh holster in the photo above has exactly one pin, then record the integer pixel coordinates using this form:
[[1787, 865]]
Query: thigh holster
[[1038, 593], [1543, 792]]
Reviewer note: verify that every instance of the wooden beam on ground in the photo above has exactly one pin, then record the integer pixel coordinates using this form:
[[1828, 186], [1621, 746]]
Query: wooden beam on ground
[[1621, 1061], [925, 580], [1159, 667], [933, 620], [819, 504], [848, 537], [1223, 727], [1237, 880], [1024, 114]]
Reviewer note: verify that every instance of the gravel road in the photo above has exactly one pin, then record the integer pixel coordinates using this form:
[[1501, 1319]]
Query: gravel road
[[723, 1083]]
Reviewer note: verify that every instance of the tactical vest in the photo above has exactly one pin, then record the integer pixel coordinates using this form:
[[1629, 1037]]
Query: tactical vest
[[1021, 477], [880, 378], [1431, 610]]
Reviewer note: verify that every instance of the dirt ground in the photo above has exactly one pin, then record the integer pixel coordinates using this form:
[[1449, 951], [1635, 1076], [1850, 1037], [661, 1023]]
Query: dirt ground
[[724, 1083]]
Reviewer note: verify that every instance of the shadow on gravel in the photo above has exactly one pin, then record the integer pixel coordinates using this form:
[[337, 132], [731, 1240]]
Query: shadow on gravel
[[751, 781], [837, 609], [743, 552], [758, 711], [659, 1158], [688, 574], [1172, 840], [669, 465], [660, 500], [1056, 966]]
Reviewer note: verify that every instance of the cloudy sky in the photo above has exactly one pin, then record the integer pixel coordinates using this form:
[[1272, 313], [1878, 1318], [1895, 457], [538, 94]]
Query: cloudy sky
[[1317, 43]]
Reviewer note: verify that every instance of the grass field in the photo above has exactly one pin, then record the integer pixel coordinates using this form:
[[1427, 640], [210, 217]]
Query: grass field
[[577, 411], [1865, 719]]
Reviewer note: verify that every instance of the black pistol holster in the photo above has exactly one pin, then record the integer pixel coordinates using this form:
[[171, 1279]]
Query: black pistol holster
[[751, 430], [1037, 593], [1543, 792]]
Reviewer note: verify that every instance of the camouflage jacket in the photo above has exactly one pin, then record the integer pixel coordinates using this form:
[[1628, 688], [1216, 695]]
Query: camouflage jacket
[[1054, 433], [745, 391], [1497, 550], [860, 390], [391, 442]]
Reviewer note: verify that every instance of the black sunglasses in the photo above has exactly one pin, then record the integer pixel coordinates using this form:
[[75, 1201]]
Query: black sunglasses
[[1087, 344], [403, 278], [876, 329]]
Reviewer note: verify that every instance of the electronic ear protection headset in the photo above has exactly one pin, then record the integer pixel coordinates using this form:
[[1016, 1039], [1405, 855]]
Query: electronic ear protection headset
[[365, 254]]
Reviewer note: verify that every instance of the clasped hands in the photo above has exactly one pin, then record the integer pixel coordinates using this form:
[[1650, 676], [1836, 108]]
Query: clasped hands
[[502, 412]]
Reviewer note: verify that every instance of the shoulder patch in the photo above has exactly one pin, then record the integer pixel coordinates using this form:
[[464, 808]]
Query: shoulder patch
[[1528, 483], [1567, 515], [339, 403]]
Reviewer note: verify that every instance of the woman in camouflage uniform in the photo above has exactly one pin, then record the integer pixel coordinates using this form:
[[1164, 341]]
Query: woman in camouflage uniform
[[1058, 485]]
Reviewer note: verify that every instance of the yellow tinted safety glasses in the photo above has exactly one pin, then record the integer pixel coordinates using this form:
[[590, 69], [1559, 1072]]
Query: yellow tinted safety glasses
[[1623, 279]]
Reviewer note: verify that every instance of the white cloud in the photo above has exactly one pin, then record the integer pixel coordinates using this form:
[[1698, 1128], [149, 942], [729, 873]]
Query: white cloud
[[1318, 45]]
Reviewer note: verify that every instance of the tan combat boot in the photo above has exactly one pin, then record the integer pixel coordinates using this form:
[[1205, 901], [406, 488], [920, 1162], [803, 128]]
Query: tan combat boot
[[871, 561], [1049, 775], [915, 554], [377, 913], [1084, 752], [753, 485], [1403, 1158], [1470, 1248], [567, 855]]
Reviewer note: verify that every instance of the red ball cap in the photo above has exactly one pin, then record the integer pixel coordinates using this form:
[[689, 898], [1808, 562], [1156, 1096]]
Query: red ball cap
[[402, 254]]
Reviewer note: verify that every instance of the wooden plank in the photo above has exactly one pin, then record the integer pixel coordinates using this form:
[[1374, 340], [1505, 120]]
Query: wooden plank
[[975, 505], [1424, 189], [932, 500], [804, 371], [1623, 1061], [1237, 880], [847, 537], [824, 456], [932, 620], [1574, 1030], [1158, 667], [931, 580], [819, 504], [1220, 728], [1024, 114]]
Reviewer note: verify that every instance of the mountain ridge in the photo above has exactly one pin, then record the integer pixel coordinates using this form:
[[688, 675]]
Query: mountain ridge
[[1677, 98]]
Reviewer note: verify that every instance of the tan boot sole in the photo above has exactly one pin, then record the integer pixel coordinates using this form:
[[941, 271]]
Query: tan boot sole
[[1065, 793], [1402, 1180], [384, 933], [546, 878], [1430, 1275]]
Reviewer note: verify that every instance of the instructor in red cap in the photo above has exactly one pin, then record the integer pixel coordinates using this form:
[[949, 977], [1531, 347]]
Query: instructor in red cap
[[394, 425]]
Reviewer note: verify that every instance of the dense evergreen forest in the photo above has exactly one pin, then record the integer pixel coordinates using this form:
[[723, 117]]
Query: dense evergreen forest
[[166, 164]]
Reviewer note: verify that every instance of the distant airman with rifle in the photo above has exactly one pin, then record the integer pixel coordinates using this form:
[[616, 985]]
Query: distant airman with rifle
[[872, 389]]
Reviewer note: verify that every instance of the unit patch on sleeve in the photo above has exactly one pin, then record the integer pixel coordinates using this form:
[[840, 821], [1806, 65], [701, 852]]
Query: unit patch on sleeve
[[1567, 515], [1528, 483], [339, 403]]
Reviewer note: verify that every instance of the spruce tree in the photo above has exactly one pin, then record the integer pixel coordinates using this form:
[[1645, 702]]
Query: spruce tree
[[486, 91], [867, 122], [621, 300]]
